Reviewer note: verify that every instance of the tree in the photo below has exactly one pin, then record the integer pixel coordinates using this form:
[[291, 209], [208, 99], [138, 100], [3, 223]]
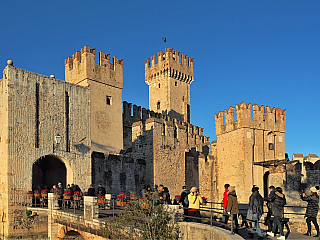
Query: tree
[[145, 218]]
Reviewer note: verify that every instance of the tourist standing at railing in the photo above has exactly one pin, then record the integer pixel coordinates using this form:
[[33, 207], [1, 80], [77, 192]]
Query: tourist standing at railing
[[225, 203], [91, 192], [184, 201], [195, 201], [60, 189], [166, 196], [269, 201], [101, 190], [277, 212], [54, 187], [233, 206], [312, 210], [256, 206]]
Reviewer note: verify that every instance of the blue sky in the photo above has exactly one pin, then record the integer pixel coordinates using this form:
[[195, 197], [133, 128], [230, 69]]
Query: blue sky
[[263, 52]]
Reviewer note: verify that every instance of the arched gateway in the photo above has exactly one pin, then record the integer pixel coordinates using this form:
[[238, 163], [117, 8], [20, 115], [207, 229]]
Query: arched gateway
[[49, 170]]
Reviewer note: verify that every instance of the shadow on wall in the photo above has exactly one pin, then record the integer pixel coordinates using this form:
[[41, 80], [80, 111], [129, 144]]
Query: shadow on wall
[[82, 148]]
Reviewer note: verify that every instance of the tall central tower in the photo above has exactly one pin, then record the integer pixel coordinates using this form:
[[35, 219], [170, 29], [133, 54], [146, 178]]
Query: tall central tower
[[169, 81]]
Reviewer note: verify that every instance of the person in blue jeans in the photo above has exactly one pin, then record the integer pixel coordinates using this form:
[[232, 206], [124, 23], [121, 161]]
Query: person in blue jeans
[[256, 206]]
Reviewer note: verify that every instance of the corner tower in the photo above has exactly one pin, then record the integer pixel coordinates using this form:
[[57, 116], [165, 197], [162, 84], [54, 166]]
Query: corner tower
[[105, 81], [169, 81], [245, 145]]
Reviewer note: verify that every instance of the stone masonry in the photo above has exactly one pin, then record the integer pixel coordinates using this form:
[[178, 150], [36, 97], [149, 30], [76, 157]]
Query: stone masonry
[[33, 111], [120, 145]]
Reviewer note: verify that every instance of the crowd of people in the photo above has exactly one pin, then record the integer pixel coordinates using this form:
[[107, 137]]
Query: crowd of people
[[275, 202], [191, 201]]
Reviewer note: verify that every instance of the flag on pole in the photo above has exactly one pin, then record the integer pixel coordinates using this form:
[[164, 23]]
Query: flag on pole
[[164, 39]]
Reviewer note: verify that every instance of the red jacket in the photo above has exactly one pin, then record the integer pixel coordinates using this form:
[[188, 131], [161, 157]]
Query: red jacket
[[225, 199]]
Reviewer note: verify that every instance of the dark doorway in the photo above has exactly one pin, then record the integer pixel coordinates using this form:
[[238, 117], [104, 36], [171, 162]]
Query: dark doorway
[[48, 171], [266, 183], [73, 235]]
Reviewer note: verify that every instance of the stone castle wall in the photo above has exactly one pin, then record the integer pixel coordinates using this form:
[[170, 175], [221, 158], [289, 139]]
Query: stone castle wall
[[118, 173], [25, 138], [170, 148], [244, 142], [105, 81]]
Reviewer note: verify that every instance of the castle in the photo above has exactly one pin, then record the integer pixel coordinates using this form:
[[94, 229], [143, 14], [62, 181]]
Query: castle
[[79, 131]]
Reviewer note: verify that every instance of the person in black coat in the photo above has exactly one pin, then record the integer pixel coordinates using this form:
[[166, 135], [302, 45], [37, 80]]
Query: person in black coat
[[256, 206], [101, 190], [279, 200], [166, 196], [312, 210], [91, 191], [269, 201]]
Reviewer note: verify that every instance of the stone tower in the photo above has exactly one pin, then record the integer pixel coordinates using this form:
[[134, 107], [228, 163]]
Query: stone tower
[[245, 143], [169, 81], [105, 82]]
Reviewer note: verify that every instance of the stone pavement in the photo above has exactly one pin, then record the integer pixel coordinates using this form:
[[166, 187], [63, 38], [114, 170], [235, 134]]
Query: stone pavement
[[244, 233]]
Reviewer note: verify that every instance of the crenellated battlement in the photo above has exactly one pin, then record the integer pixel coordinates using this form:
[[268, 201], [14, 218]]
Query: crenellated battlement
[[266, 118], [134, 113], [170, 63], [82, 66]]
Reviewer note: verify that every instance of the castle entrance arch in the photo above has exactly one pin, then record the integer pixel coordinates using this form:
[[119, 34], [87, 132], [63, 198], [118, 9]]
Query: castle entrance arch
[[49, 170]]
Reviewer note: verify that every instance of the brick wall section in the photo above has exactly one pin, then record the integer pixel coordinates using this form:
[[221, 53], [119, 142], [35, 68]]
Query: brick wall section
[[18, 145]]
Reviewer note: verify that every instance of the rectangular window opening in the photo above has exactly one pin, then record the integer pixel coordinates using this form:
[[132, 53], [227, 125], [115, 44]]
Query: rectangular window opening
[[109, 100]]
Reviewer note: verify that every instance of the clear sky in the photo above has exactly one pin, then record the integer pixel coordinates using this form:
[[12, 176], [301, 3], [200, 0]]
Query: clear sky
[[263, 52]]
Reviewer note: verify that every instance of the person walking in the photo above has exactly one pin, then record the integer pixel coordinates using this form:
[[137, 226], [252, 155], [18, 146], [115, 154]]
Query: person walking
[[195, 201], [312, 210], [233, 206], [225, 204], [256, 206], [184, 201], [269, 201], [277, 212]]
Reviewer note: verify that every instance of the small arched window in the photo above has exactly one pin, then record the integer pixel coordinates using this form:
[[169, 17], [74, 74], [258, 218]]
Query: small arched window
[[158, 105]]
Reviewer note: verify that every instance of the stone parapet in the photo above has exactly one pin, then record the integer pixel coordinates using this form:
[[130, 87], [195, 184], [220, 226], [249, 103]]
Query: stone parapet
[[265, 118]]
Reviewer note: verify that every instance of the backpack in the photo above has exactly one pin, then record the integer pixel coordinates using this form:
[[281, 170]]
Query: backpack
[[186, 200]]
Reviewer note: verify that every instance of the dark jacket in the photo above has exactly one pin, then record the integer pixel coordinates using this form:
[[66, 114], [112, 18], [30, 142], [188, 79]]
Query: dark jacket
[[232, 207], [91, 192], [270, 200], [102, 191], [166, 196], [256, 203], [184, 195], [61, 191], [313, 205], [278, 204]]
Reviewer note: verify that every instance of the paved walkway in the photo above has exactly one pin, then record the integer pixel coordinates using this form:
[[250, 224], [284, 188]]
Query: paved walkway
[[244, 233]]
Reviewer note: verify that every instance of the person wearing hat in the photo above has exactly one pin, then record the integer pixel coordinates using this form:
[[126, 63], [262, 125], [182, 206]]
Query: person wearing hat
[[312, 210], [256, 206], [233, 206], [277, 212]]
